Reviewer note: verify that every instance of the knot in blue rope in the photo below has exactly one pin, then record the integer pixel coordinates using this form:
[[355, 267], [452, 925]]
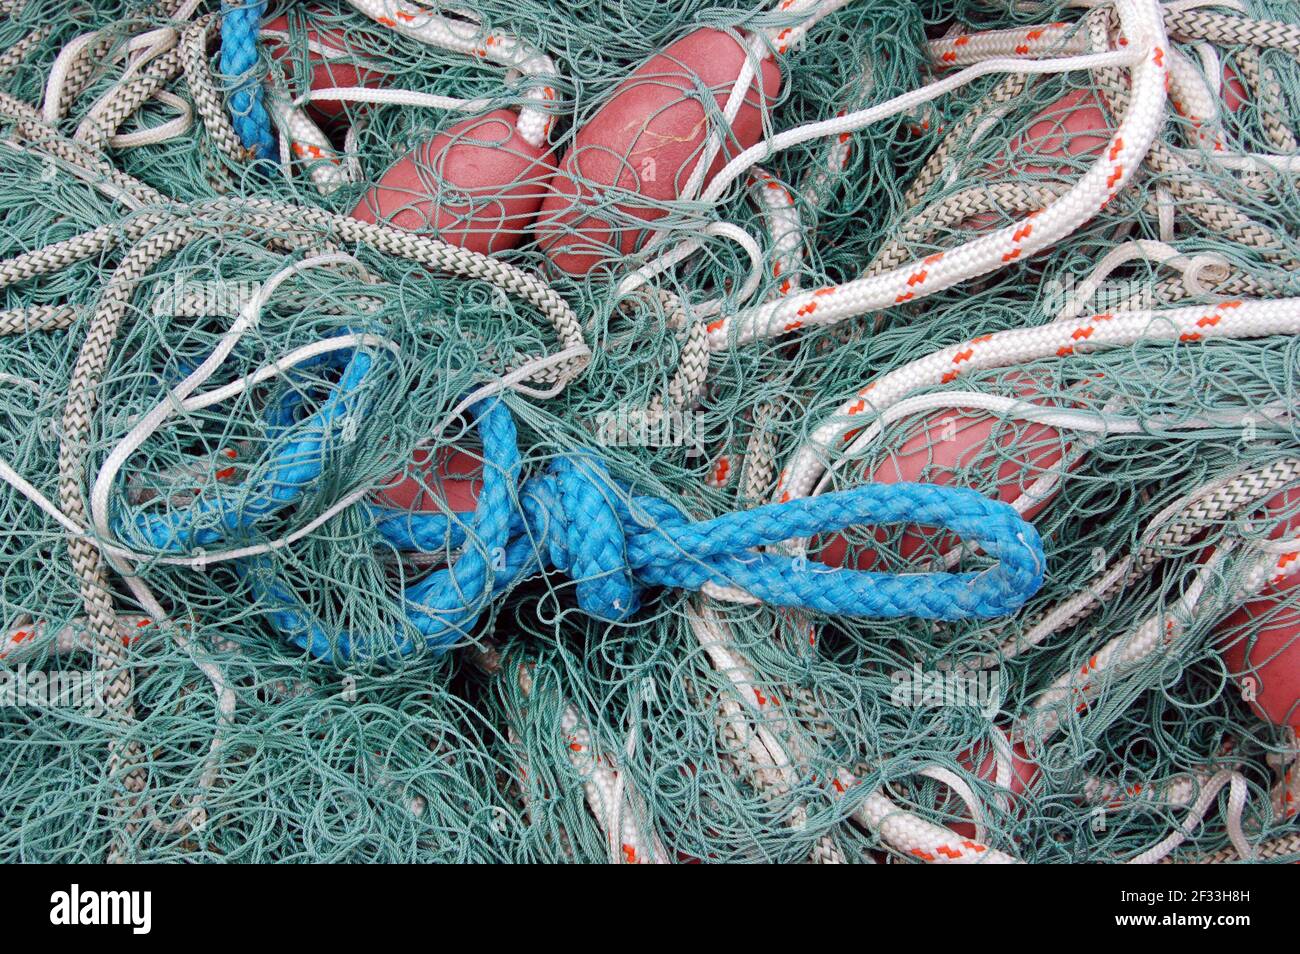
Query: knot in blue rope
[[579, 515], [575, 518]]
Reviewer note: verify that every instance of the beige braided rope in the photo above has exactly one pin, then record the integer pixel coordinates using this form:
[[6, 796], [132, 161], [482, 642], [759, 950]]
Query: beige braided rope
[[1283, 849], [129, 97], [13, 57], [1006, 89]]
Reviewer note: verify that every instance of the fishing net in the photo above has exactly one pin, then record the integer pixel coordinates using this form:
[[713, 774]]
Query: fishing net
[[251, 403]]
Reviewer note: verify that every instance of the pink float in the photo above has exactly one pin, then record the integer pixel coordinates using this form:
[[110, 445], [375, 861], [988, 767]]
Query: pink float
[[645, 142]]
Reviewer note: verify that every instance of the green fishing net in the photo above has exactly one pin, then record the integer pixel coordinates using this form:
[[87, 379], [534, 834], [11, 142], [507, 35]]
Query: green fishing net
[[545, 735]]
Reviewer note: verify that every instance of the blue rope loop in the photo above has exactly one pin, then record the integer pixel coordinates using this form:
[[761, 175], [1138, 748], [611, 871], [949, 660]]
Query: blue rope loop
[[614, 543], [576, 519], [240, 25]]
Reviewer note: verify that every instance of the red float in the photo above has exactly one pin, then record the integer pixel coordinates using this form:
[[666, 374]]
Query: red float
[[646, 141], [1262, 638], [327, 70], [477, 184]]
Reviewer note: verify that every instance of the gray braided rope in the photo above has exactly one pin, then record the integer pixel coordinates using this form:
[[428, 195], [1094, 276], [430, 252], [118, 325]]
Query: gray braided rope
[[88, 62], [758, 466], [207, 101], [1232, 497], [129, 97], [1225, 499], [1233, 30], [996, 197], [13, 57], [60, 255], [17, 321], [1284, 848], [435, 254], [686, 386], [90, 59], [766, 780], [87, 561], [1007, 89], [826, 852], [125, 760], [280, 218], [1170, 290], [733, 736], [47, 139], [1206, 206], [1264, 85]]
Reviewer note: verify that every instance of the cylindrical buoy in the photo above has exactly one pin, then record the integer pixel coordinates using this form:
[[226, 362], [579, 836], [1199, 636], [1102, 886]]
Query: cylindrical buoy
[[331, 65], [477, 184], [1262, 638], [641, 147]]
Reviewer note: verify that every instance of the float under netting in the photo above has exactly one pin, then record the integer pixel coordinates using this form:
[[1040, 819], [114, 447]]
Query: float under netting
[[821, 430]]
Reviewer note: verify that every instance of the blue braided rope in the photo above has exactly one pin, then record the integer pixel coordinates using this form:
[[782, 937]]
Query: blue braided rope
[[576, 519], [239, 60], [297, 464]]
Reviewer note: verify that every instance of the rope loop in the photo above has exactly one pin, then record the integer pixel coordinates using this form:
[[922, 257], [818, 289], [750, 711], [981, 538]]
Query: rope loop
[[576, 519]]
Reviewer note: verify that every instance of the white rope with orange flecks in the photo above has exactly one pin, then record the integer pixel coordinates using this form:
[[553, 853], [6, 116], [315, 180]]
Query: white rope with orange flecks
[[472, 39], [1037, 231], [1190, 324], [614, 803]]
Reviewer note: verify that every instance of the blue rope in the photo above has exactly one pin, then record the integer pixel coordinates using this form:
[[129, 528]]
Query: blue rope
[[297, 465], [576, 519], [239, 61]]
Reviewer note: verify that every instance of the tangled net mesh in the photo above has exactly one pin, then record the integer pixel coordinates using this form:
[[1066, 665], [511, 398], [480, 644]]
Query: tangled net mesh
[[547, 734]]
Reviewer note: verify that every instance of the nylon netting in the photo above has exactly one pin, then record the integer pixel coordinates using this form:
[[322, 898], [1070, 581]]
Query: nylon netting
[[288, 704]]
